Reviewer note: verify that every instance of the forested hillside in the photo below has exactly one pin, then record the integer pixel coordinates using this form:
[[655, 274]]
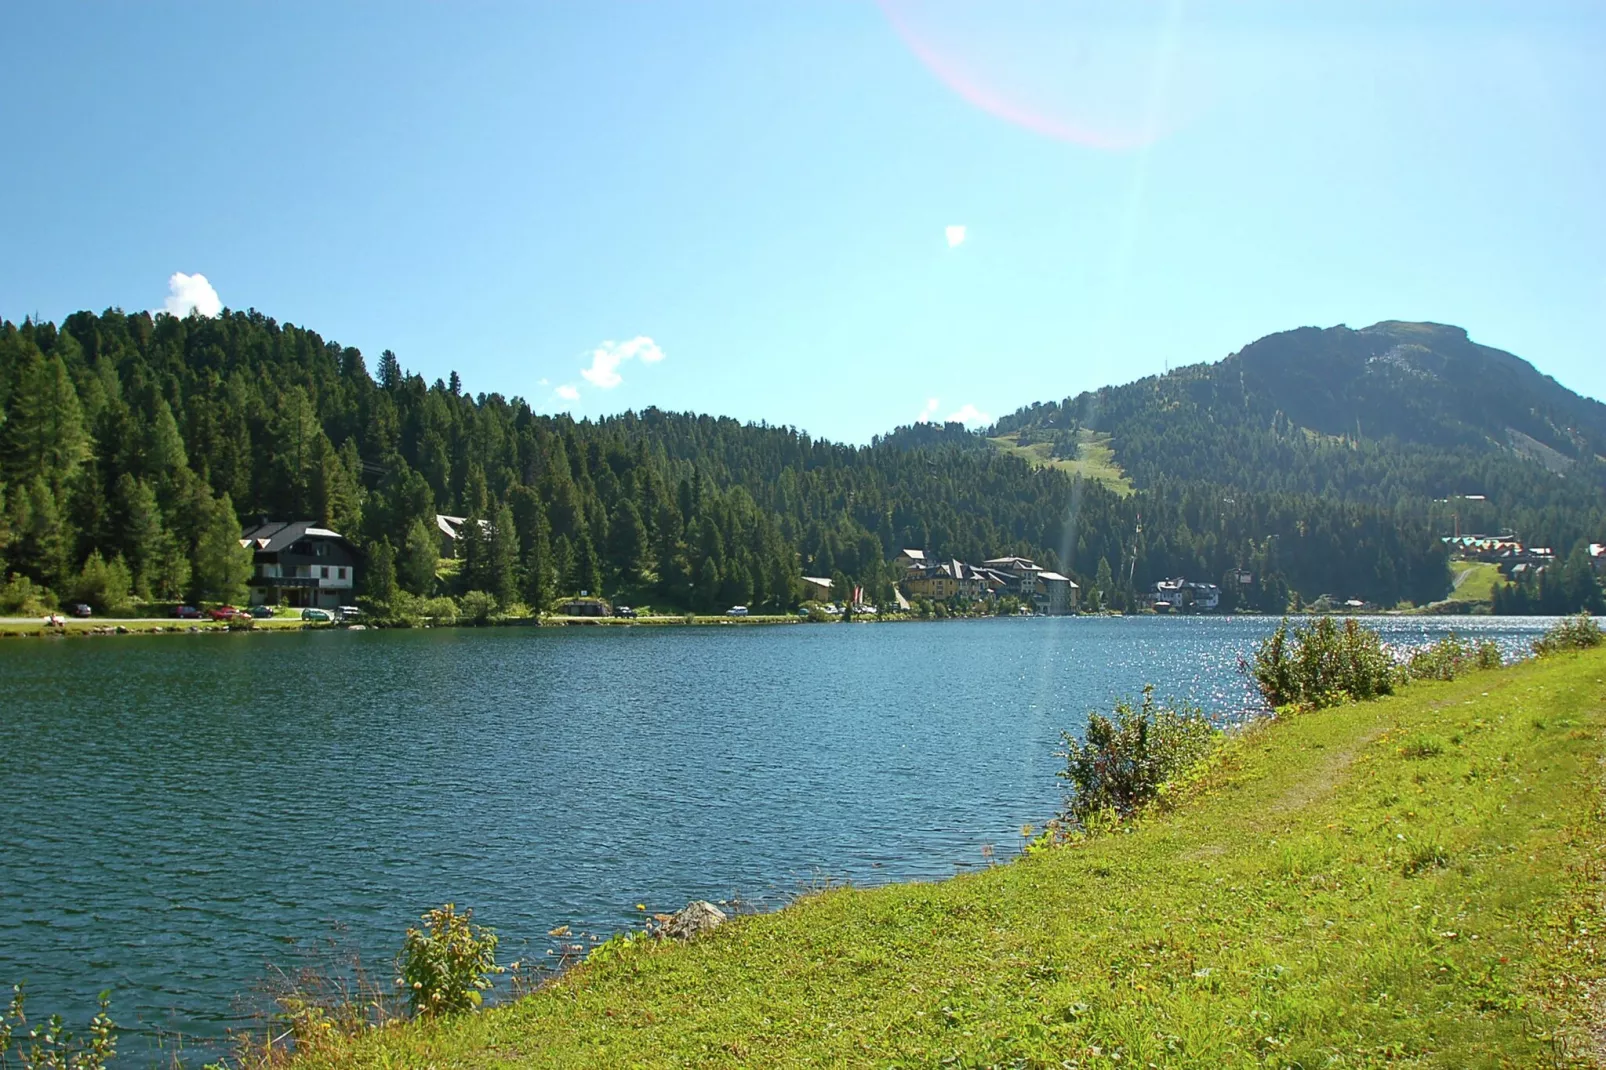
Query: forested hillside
[[1410, 416], [133, 448]]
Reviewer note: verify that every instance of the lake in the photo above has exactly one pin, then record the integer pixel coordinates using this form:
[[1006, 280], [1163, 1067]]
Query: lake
[[182, 812]]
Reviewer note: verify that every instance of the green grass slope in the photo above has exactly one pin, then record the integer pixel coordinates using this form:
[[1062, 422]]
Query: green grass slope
[[1474, 581], [1094, 460], [1408, 882]]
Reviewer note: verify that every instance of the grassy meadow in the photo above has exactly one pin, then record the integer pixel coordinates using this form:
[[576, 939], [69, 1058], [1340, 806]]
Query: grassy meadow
[[1095, 458], [1413, 881], [1475, 581]]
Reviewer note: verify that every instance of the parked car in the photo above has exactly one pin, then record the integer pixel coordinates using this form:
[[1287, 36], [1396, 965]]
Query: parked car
[[624, 611], [316, 614], [348, 612], [736, 611], [261, 612], [79, 609], [225, 613], [187, 613]]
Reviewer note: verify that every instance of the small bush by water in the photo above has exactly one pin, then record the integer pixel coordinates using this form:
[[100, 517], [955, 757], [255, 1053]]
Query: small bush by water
[[50, 1045], [447, 964], [1124, 762], [1322, 665], [1451, 657], [1574, 633]]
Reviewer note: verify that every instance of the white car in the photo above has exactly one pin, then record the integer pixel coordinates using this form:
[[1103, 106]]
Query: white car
[[736, 611]]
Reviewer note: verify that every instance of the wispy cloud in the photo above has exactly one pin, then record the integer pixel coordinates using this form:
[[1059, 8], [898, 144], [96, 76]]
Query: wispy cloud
[[928, 412], [191, 293], [956, 235], [568, 392], [969, 415], [606, 358]]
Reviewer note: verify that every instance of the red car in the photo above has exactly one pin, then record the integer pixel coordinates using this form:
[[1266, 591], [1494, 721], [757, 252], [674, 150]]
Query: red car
[[225, 613]]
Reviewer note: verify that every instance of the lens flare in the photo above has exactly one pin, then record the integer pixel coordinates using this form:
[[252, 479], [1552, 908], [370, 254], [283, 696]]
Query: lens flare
[[1096, 73]]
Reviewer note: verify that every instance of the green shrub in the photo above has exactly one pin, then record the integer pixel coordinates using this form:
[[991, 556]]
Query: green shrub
[[1573, 633], [20, 598], [476, 607], [1121, 764], [1489, 656], [1323, 665], [444, 966], [51, 1046], [441, 610], [103, 584], [1444, 660]]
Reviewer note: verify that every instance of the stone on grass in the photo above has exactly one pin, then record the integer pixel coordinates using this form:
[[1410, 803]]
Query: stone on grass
[[693, 920]]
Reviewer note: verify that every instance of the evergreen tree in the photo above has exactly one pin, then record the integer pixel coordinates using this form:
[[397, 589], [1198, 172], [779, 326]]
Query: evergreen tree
[[627, 542], [586, 574], [1103, 584], [501, 558], [379, 577], [540, 573], [140, 523], [420, 558], [44, 435], [221, 566]]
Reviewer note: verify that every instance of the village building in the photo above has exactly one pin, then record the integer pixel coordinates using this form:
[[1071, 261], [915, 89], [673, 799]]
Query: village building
[[298, 563], [449, 531], [908, 559], [816, 589], [1180, 595], [947, 579]]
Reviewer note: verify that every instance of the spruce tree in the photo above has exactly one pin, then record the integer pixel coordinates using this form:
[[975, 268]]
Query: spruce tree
[[420, 558], [501, 558], [221, 566], [379, 578]]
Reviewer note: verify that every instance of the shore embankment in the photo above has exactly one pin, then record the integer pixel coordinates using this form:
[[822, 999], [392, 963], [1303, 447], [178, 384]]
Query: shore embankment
[[1411, 880]]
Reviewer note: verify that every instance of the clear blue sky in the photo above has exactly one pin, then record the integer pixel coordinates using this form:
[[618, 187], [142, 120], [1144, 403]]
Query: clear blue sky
[[764, 189]]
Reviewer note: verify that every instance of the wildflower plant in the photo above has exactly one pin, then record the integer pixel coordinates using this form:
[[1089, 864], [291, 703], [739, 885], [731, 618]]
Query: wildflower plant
[[445, 966]]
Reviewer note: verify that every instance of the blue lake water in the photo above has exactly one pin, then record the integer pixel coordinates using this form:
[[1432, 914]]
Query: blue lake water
[[182, 812]]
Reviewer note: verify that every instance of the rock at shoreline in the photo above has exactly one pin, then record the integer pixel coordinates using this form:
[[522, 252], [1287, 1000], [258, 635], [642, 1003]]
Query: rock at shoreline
[[693, 920]]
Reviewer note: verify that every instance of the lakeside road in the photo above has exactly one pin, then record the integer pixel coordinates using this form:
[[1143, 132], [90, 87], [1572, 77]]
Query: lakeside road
[[1412, 880]]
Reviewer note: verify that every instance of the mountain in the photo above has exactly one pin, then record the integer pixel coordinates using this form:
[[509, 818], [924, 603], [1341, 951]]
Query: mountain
[[1412, 416], [133, 449]]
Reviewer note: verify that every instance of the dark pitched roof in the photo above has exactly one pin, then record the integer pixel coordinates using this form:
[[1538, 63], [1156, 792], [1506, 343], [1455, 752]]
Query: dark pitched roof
[[276, 536]]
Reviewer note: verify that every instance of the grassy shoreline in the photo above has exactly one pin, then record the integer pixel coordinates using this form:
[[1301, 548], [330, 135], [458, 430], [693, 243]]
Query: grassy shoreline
[[1410, 881]]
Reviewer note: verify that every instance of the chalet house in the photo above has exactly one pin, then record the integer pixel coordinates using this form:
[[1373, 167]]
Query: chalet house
[[449, 529], [909, 559], [816, 589], [1597, 556], [298, 563]]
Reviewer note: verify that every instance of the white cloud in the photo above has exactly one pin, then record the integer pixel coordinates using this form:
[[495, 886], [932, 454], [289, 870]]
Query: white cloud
[[968, 415], [606, 358], [187, 293], [928, 412], [956, 235], [544, 382], [567, 392]]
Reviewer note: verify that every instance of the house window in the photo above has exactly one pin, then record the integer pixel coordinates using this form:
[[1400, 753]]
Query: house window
[[325, 572], [342, 573]]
